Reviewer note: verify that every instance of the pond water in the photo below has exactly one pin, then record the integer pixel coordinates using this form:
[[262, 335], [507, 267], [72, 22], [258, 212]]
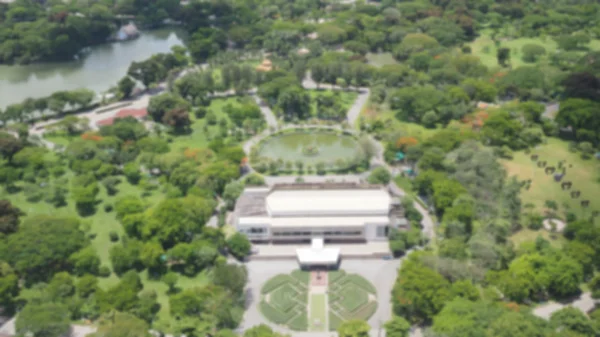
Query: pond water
[[311, 148], [99, 69]]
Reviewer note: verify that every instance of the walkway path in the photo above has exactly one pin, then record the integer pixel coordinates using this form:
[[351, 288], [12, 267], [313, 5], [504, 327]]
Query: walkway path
[[584, 302]]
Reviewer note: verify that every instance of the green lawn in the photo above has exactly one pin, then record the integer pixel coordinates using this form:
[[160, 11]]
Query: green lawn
[[488, 56], [528, 235], [201, 136], [318, 316], [584, 174], [380, 59], [347, 98], [393, 124]]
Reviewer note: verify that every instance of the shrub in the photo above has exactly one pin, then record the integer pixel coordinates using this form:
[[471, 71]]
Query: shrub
[[104, 271], [300, 323], [535, 221], [108, 208], [200, 112], [114, 236], [274, 315], [531, 52], [275, 282]]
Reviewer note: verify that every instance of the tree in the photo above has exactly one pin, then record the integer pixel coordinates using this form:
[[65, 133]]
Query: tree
[[178, 119], [85, 261], [445, 192], [582, 85], [463, 318], [9, 286], [379, 175], [43, 320], [294, 102], [43, 246], [419, 292], [574, 320], [9, 217], [572, 42], [354, 328], [132, 173], [151, 255], [414, 43], [124, 258], [170, 279], [122, 325], [171, 222], [532, 52], [232, 192], [231, 277], [126, 86], [515, 324], [9, 146], [238, 245], [503, 56], [86, 286], [161, 104], [397, 327], [127, 205], [582, 116]]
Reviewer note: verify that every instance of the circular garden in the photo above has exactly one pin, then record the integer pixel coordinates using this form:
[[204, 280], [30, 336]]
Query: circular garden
[[295, 302], [306, 149]]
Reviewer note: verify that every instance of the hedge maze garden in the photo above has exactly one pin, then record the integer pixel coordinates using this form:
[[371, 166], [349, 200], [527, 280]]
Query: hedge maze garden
[[350, 297], [284, 299]]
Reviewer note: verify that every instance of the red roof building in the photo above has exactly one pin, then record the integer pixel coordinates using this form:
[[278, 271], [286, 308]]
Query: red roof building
[[135, 113]]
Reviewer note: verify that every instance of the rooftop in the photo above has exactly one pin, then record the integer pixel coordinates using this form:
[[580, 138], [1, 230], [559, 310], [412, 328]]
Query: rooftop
[[328, 201], [341, 200], [135, 113]]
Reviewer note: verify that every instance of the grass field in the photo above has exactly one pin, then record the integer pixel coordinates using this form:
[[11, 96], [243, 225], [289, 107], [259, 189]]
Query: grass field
[[393, 124], [318, 316], [485, 48], [528, 235], [347, 98], [584, 174], [201, 136], [380, 59]]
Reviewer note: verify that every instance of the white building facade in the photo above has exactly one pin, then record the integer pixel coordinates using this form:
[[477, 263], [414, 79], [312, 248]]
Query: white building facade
[[301, 212]]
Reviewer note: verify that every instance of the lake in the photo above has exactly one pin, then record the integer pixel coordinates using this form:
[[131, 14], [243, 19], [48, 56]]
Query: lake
[[99, 69]]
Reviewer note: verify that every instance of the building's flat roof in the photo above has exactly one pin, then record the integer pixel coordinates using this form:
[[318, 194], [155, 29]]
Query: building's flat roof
[[300, 222], [328, 201]]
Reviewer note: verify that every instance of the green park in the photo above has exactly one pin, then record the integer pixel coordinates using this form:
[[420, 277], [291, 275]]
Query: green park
[[131, 130]]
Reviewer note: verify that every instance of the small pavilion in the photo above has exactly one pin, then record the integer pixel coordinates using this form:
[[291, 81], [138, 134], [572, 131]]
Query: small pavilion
[[317, 256]]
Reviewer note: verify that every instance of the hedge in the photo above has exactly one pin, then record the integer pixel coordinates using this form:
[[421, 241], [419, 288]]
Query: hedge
[[275, 315], [284, 298], [353, 298], [334, 321], [362, 282], [365, 312], [302, 277], [275, 283], [299, 323], [334, 276]]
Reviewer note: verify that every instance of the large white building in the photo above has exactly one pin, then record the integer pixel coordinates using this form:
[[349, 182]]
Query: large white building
[[339, 212]]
